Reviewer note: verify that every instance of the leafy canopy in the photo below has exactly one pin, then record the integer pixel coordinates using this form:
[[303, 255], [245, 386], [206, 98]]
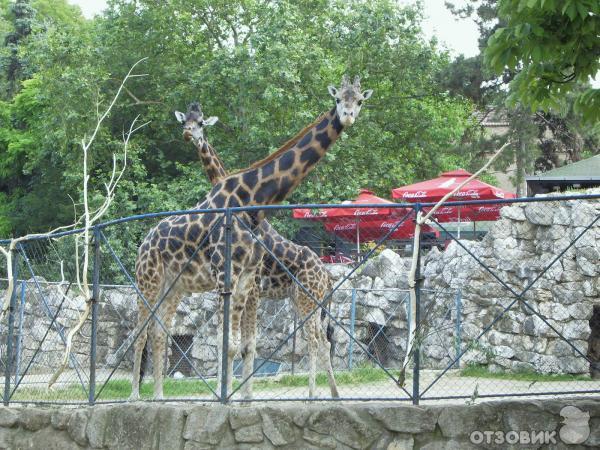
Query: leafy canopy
[[553, 46]]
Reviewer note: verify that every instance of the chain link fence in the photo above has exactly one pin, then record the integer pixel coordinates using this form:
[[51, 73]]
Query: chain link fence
[[510, 309]]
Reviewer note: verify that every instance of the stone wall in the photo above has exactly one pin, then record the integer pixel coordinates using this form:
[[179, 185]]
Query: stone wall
[[143, 426], [516, 250]]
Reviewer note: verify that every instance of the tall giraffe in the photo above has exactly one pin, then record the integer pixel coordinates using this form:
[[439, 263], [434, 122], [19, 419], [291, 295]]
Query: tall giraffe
[[186, 254], [276, 284]]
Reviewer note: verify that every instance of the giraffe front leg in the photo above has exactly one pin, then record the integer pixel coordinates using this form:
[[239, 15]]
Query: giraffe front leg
[[233, 344]]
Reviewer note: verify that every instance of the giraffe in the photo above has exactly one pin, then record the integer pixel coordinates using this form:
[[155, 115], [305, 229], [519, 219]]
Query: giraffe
[[276, 284], [186, 254]]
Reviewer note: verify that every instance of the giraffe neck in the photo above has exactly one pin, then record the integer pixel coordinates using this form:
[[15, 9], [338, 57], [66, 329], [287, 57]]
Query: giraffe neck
[[215, 170], [274, 178]]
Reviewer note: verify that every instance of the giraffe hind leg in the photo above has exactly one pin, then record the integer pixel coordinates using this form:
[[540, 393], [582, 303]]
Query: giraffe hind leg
[[248, 347], [158, 339], [138, 346]]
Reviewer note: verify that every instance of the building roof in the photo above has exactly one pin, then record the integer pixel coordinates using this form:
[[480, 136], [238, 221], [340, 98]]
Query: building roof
[[492, 117], [587, 169]]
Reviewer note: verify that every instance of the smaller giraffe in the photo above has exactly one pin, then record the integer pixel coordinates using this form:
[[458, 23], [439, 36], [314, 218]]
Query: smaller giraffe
[[275, 284]]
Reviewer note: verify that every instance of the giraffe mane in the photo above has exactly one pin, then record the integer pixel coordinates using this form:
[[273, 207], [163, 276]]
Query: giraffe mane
[[286, 146]]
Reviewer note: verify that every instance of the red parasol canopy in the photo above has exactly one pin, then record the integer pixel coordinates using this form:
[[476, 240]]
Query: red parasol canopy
[[435, 189], [363, 224], [365, 197]]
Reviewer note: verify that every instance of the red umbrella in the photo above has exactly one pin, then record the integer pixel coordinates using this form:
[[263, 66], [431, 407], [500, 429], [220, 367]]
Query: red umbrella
[[366, 224], [373, 229], [365, 197], [435, 189]]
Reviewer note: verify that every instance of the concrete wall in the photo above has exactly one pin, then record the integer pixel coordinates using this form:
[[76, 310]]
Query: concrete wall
[[296, 426]]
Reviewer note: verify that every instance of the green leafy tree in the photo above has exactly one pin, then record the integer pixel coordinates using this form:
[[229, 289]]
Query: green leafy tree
[[261, 66], [552, 46], [20, 16], [541, 137]]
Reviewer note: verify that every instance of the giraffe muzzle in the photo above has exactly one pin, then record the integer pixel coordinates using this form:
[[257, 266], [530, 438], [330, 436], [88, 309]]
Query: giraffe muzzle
[[347, 120], [187, 136]]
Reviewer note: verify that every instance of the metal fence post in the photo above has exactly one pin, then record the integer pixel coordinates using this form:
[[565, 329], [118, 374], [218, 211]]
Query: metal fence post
[[294, 344], [14, 256], [94, 306], [226, 301], [20, 332], [458, 327], [416, 345], [352, 320]]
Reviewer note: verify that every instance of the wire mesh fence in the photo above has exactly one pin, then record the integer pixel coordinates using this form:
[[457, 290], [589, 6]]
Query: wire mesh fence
[[509, 308]]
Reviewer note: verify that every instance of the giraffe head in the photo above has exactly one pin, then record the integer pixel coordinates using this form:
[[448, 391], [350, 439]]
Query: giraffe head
[[194, 122], [349, 99]]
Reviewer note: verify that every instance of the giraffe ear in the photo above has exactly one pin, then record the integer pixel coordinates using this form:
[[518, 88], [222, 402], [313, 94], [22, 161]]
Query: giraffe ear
[[332, 90], [210, 121], [180, 116], [367, 94]]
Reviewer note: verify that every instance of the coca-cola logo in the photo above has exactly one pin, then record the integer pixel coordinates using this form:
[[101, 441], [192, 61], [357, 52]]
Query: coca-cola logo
[[309, 215], [472, 193], [345, 227], [488, 209], [499, 194], [388, 224], [366, 212], [417, 194], [443, 211]]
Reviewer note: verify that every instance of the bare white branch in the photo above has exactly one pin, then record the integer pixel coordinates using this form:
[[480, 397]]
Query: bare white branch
[[421, 219]]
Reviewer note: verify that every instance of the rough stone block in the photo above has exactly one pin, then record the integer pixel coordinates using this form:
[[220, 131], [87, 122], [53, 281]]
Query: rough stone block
[[527, 416], [251, 433], [243, 417], [513, 212], [278, 427], [539, 213], [319, 440], [123, 429], [459, 421], [6, 437], [60, 419], [96, 425], [169, 424], [405, 419], [46, 438], [206, 424], [344, 425], [34, 419], [76, 426], [8, 417]]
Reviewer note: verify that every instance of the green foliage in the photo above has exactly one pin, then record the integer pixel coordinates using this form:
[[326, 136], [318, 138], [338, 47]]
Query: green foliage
[[552, 46], [262, 67]]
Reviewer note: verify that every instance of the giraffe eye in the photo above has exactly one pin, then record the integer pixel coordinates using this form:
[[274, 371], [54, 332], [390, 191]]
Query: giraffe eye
[[360, 102], [337, 100]]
